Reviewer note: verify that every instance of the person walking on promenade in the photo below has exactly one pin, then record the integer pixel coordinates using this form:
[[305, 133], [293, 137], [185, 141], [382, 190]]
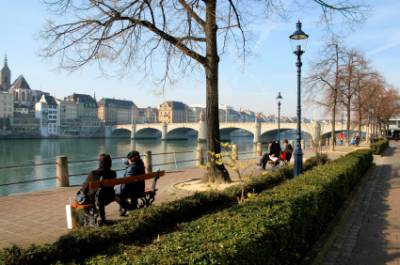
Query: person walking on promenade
[[131, 191], [105, 195], [340, 137]]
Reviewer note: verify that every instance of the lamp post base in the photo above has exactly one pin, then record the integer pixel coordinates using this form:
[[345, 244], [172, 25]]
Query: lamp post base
[[298, 163]]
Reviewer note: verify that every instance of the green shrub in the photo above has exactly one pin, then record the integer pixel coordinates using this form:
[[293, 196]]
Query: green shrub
[[278, 226], [142, 225], [379, 146]]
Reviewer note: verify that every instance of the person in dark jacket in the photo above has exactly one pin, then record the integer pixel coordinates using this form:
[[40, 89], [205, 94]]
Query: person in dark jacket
[[274, 152], [131, 191], [106, 195]]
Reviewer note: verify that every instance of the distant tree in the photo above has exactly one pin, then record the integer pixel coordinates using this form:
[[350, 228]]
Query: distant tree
[[363, 78], [353, 64], [181, 33], [323, 82]]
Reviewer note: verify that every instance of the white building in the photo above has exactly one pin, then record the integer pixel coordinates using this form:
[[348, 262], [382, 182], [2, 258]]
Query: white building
[[47, 111]]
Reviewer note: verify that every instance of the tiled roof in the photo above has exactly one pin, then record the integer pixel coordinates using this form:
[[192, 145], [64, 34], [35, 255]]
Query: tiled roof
[[20, 82], [51, 101], [116, 102], [83, 98], [176, 105]]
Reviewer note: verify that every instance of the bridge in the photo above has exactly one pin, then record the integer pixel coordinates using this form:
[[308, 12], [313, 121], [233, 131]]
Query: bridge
[[314, 130]]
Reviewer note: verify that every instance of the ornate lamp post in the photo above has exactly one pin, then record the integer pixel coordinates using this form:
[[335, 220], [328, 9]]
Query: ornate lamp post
[[299, 43], [279, 99]]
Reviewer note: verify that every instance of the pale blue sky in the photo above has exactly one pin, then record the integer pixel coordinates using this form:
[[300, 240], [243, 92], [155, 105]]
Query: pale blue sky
[[254, 85]]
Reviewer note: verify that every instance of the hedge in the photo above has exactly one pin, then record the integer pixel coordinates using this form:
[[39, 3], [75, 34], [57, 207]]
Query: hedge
[[142, 225], [379, 146], [278, 226]]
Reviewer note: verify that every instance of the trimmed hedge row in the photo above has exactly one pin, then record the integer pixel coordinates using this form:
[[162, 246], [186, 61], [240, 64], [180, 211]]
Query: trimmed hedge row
[[379, 146], [277, 226], [142, 225]]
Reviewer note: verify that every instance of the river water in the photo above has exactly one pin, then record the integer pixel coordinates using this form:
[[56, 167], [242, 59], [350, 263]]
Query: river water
[[27, 152]]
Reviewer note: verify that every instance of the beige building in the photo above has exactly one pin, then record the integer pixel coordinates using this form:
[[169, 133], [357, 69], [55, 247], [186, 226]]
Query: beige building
[[86, 109], [116, 111], [173, 112], [6, 105]]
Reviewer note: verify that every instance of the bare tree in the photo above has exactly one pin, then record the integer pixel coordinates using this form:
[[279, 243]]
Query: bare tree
[[353, 64], [325, 78], [363, 78], [182, 33]]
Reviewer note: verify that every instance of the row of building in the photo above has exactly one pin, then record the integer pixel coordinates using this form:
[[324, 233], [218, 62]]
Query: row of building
[[24, 111]]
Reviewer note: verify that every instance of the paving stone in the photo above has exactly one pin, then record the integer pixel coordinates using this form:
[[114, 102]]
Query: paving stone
[[370, 234]]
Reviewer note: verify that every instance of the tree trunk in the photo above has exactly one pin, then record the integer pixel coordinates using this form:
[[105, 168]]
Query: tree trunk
[[333, 132], [348, 110], [215, 172], [335, 95]]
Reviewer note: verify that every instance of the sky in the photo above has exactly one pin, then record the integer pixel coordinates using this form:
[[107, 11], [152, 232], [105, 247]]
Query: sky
[[253, 84]]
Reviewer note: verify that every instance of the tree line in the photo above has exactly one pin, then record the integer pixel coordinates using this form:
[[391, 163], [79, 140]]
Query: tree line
[[342, 78]]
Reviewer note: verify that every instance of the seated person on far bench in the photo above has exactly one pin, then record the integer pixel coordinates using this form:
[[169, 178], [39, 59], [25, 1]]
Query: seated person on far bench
[[132, 191], [106, 195], [272, 156]]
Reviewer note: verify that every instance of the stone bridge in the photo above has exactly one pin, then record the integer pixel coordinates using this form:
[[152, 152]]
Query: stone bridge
[[314, 129]]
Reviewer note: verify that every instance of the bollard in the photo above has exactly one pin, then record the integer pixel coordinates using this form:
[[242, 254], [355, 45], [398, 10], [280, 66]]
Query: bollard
[[148, 165], [259, 149], [62, 176], [234, 154], [199, 156]]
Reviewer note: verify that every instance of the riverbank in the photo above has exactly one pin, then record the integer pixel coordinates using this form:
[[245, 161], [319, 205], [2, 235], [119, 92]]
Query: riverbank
[[39, 217]]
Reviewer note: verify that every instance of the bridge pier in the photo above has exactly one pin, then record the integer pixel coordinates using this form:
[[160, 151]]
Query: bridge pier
[[202, 134], [164, 131], [133, 131], [316, 135], [257, 132], [108, 131]]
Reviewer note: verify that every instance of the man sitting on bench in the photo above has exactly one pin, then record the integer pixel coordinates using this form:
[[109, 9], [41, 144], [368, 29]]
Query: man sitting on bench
[[132, 191], [104, 195]]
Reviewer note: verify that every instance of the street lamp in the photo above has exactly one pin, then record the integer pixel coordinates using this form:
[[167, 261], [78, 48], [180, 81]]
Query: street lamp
[[279, 99], [299, 44]]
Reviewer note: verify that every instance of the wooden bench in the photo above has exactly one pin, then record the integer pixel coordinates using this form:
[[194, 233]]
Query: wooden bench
[[89, 213]]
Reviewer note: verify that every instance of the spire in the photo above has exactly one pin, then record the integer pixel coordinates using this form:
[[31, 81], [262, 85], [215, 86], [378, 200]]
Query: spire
[[94, 95], [5, 60]]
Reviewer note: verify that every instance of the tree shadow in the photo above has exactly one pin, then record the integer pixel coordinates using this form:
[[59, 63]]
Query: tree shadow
[[389, 151], [377, 241]]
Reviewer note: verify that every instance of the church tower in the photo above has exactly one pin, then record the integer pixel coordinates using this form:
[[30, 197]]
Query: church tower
[[5, 76]]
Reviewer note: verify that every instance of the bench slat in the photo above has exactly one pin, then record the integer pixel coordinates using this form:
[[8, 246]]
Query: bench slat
[[112, 182]]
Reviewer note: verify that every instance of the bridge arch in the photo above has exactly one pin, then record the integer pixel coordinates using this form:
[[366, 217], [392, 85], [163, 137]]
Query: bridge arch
[[180, 133], [148, 133], [121, 133], [226, 132]]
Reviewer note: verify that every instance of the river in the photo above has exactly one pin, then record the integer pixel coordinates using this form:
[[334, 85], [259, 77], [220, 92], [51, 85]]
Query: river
[[35, 151]]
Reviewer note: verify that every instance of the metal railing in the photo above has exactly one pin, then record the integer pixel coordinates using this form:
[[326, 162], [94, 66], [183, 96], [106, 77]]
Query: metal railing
[[63, 167]]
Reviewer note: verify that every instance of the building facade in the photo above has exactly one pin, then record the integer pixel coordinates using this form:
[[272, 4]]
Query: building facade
[[173, 112], [6, 111], [116, 111], [86, 113], [47, 112]]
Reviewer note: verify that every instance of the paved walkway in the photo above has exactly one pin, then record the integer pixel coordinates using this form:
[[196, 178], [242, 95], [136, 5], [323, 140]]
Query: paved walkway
[[39, 217], [368, 232]]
